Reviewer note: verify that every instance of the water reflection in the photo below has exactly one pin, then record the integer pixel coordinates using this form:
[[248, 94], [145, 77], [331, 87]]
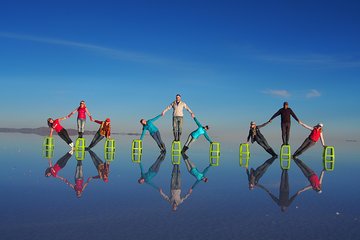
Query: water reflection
[[177, 195], [284, 199], [79, 185]]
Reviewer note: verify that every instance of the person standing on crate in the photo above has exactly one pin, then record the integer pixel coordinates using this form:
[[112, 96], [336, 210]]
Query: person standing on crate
[[178, 107], [104, 131], [81, 119], [285, 112], [256, 136], [315, 135]]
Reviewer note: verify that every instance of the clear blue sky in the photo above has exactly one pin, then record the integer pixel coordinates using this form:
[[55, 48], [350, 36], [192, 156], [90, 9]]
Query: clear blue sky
[[232, 61]]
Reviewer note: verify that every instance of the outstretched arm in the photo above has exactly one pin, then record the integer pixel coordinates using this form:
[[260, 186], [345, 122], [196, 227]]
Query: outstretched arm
[[70, 114], [87, 112], [275, 199], [304, 189], [155, 118], [322, 176], [275, 115], [294, 116], [263, 125], [306, 126], [207, 137], [167, 108], [322, 139], [143, 133], [164, 195], [51, 132], [197, 122], [189, 110]]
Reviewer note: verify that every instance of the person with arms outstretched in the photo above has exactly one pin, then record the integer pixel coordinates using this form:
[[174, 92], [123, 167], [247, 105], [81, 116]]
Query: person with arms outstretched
[[256, 136], [104, 131], [178, 115], [254, 175], [81, 119], [315, 135], [314, 180], [153, 130], [201, 130], [55, 125], [147, 177], [285, 114]]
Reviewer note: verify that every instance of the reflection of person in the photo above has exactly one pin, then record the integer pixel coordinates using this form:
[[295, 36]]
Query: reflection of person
[[196, 134], [175, 189], [60, 164], [79, 186], [101, 167], [55, 125], [146, 177], [153, 130], [315, 182], [178, 115], [81, 119], [286, 114], [315, 135], [104, 131], [283, 201], [199, 176], [255, 135], [255, 175]]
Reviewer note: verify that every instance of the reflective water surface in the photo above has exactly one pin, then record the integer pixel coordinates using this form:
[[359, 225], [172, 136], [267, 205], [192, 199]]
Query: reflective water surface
[[98, 198]]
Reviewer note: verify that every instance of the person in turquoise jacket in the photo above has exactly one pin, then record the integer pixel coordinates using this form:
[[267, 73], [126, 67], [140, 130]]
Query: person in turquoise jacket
[[199, 176], [153, 130], [202, 130], [146, 177]]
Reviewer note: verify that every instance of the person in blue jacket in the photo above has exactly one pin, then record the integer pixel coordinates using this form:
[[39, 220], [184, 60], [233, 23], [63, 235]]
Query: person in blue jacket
[[202, 130], [146, 177], [199, 176], [153, 130]]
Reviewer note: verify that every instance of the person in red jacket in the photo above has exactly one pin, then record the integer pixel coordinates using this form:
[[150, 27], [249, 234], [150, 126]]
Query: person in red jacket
[[315, 135], [81, 119], [314, 180], [60, 164], [104, 131], [55, 125]]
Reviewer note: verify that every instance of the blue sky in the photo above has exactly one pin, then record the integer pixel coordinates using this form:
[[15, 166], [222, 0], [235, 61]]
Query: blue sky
[[232, 61]]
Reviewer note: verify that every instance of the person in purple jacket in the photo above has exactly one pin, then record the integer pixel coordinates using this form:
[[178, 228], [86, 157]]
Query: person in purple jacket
[[285, 114]]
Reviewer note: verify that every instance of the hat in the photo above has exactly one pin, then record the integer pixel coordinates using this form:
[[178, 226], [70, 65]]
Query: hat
[[320, 124], [107, 120], [252, 123]]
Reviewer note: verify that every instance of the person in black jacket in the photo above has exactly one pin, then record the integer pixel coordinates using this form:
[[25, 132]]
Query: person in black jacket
[[255, 135], [286, 114]]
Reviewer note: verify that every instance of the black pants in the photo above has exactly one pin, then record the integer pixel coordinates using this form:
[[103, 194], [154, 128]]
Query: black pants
[[306, 144], [96, 160], [65, 136], [175, 178], [63, 160], [263, 143], [285, 130], [97, 138], [260, 171], [308, 172], [156, 166]]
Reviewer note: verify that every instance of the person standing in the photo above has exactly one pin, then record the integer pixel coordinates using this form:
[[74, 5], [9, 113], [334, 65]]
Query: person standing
[[178, 115], [286, 114], [81, 119]]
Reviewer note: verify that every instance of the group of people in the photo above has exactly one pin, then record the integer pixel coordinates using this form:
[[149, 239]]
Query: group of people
[[104, 129], [79, 185], [177, 123], [286, 113]]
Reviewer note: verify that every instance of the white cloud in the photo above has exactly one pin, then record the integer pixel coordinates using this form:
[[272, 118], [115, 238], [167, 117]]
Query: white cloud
[[278, 93], [111, 52], [313, 93]]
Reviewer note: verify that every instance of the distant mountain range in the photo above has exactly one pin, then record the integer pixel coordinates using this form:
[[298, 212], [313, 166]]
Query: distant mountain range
[[44, 131]]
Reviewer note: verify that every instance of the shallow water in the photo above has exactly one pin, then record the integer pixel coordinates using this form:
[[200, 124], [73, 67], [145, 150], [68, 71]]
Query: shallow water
[[36, 207]]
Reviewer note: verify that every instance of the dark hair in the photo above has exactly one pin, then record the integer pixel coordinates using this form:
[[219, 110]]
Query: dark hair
[[207, 127], [49, 123], [286, 103], [47, 171], [141, 120]]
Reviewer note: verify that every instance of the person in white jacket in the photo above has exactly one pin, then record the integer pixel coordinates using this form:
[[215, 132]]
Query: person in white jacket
[[178, 114]]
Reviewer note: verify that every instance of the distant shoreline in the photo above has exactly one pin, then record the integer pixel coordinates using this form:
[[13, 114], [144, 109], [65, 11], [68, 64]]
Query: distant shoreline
[[44, 131]]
